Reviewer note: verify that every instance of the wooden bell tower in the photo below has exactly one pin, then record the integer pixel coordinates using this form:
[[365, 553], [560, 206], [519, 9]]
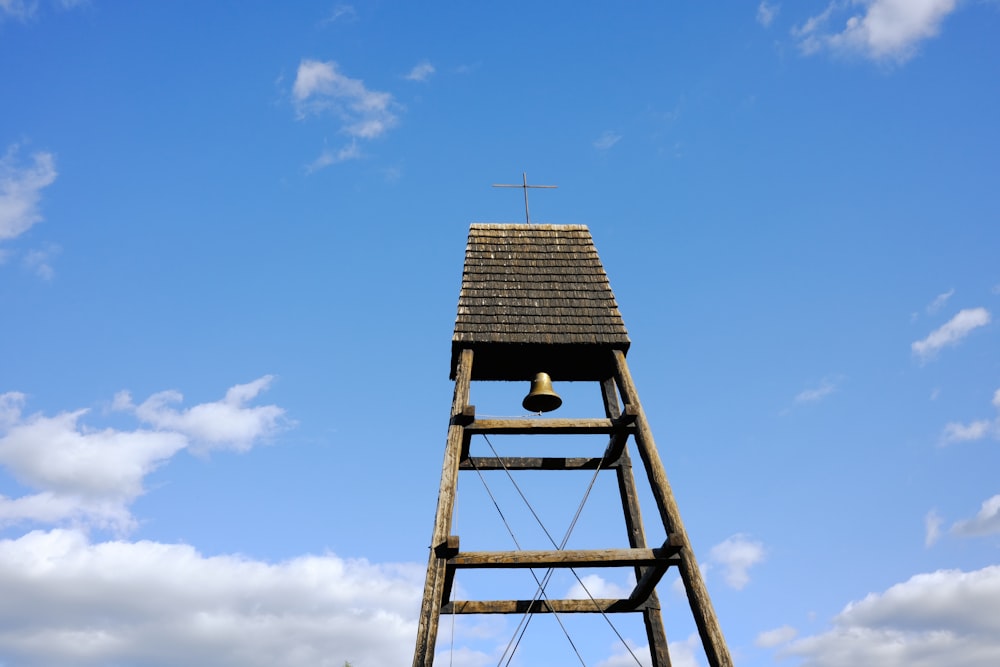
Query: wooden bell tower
[[536, 298]]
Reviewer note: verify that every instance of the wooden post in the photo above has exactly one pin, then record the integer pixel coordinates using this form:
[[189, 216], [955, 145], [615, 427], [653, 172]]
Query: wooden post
[[712, 639], [651, 615], [430, 610]]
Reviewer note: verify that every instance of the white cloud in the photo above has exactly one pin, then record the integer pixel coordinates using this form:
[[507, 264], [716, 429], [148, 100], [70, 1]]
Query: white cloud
[[946, 617], [776, 637], [19, 9], [10, 407], [20, 190], [886, 30], [683, 653], [951, 332], [977, 430], [87, 476], [228, 423], [939, 301], [40, 262], [81, 474], [70, 602], [956, 432], [341, 13], [986, 522], [826, 387], [420, 72], [598, 587], [329, 157], [464, 657], [932, 528], [736, 555], [766, 12], [607, 140], [320, 88]]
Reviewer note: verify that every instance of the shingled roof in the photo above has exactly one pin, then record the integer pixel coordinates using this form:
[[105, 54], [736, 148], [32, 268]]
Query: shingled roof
[[536, 298]]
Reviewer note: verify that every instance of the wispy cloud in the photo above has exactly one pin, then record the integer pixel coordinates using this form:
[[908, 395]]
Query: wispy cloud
[[885, 30], [341, 13], [607, 140], [21, 188], [39, 262], [957, 432], [736, 555], [939, 301], [766, 12], [776, 637], [683, 653], [420, 72], [329, 157], [952, 332], [26, 9], [826, 387], [975, 430], [18, 9], [986, 522], [932, 528], [596, 586], [320, 88]]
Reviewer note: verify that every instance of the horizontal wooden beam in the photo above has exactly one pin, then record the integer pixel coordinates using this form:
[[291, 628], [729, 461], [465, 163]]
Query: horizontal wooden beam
[[552, 426], [535, 463], [597, 606], [565, 558]]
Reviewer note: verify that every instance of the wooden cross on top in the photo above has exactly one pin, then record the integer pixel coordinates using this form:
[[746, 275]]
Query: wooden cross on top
[[525, 186]]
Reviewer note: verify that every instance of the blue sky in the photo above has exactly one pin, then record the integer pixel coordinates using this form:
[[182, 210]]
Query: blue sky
[[231, 240]]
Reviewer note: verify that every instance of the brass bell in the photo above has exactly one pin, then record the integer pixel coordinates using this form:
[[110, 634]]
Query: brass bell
[[541, 398]]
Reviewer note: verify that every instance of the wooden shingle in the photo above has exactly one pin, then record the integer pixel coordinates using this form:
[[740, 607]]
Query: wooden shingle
[[536, 298]]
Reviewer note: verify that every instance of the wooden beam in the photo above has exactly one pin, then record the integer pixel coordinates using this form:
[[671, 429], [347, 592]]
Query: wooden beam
[[652, 617], [548, 426], [534, 463], [565, 558], [596, 606], [430, 609], [448, 550], [705, 619]]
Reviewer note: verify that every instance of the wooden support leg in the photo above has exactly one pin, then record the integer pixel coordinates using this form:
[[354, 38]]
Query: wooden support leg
[[430, 609], [651, 615], [712, 639]]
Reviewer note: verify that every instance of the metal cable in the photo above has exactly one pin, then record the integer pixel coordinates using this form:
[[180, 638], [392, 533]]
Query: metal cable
[[562, 546], [540, 590]]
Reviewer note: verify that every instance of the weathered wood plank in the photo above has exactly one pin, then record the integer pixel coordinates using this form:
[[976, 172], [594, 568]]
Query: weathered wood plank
[[554, 426], [705, 619], [534, 463], [448, 550], [565, 558], [652, 618], [596, 606], [430, 610]]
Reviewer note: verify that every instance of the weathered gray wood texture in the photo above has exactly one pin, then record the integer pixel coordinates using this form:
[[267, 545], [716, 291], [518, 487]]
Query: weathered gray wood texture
[[536, 298], [434, 584]]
